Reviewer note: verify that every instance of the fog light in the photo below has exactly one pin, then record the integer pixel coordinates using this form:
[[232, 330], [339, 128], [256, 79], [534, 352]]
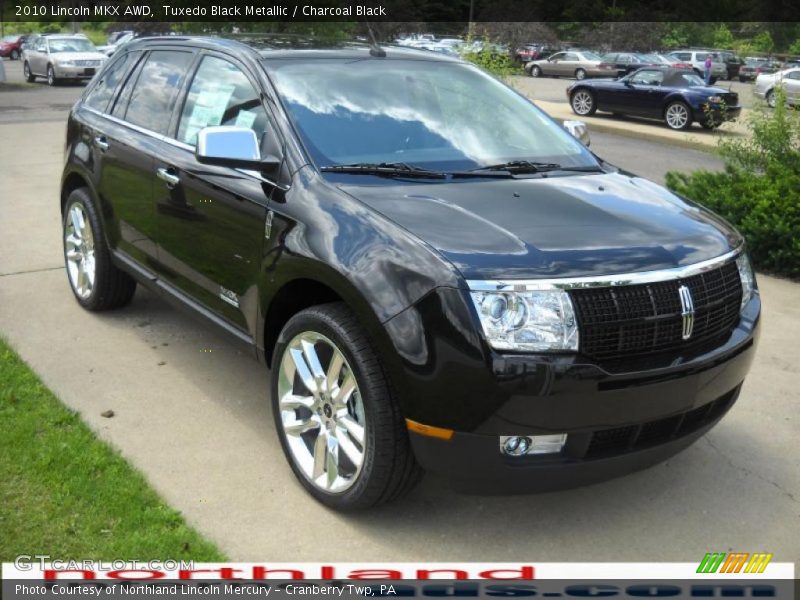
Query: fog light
[[515, 445]]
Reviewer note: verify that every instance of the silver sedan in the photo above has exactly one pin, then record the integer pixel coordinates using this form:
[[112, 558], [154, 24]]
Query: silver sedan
[[788, 79], [572, 63]]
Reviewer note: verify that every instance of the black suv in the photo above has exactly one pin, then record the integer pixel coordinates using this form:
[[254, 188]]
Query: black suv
[[438, 275]]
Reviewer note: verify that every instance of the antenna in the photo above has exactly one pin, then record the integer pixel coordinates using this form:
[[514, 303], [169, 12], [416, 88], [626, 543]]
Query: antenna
[[375, 49]]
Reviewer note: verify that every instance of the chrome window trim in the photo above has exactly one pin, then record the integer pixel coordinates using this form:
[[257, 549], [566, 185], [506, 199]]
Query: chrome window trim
[[173, 142], [567, 283]]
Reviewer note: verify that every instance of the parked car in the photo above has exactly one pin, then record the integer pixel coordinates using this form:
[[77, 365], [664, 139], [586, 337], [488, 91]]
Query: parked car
[[11, 46], [118, 43], [618, 64], [60, 57], [676, 96], [732, 62], [114, 36], [788, 79], [531, 52], [573, 63], [437, 273], [697, 59], [656, 58], [753, 67]]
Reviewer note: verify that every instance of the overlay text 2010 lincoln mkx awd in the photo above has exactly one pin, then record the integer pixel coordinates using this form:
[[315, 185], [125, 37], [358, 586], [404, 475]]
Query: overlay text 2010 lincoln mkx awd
[[439, 276]]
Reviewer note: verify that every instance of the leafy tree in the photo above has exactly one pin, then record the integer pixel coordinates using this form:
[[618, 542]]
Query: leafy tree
[[722, 37], [763, 42]]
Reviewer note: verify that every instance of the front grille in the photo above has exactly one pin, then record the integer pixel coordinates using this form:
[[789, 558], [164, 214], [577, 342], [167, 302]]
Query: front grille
[[730, 99], [624, 322], [87, 63], [608, 442]]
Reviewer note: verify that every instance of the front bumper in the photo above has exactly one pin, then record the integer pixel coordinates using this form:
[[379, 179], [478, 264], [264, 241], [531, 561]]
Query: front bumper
[[68, 72], [616, 421], [717, 114]]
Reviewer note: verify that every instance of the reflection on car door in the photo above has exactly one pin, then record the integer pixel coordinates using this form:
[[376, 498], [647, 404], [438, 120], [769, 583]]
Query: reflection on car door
[[38, 57], [129, 142], [568, 66], [644, 95], [213, 204], [791, 83]]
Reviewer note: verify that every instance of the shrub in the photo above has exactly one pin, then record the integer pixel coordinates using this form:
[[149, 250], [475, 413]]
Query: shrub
[[490, 59], [759, 190]]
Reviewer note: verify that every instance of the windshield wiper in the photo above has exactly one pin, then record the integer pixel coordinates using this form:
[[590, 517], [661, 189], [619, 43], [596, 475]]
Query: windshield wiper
[[528, 166], [388, 169]]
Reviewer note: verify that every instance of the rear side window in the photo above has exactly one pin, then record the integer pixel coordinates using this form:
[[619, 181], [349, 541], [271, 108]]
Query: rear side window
[[220, 94], [103, 91], [155, 90], [682, 55]]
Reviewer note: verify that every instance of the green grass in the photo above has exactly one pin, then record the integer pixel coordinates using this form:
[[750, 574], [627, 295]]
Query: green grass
[[65, 493]]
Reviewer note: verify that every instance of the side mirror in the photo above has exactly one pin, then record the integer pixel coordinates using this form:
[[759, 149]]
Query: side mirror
[[627, 83], [579, 131], [234, 147]]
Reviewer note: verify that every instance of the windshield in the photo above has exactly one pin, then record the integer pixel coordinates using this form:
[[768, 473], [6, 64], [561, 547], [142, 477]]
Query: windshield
[[436, 115], [72, 45]]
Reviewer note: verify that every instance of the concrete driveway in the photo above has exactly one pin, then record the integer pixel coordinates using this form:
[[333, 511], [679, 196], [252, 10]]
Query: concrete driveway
[[192, 414]]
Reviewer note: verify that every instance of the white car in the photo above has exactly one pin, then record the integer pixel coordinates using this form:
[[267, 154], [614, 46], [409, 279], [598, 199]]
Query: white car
[[697, 58], [59, 57], [788, 79], [110, 49]]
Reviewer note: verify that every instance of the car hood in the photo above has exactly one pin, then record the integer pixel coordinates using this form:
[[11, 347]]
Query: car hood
[[553, 227], [78, 56]]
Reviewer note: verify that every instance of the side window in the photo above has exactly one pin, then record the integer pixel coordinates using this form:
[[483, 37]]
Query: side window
[[685, 56], [572, 57], [41, 45], [102, 92], [220, 94], [793, 75], [154, 92], [559, 56]]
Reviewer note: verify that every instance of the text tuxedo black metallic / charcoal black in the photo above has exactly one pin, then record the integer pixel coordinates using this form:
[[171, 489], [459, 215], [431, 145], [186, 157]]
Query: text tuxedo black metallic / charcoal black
[[438, 275]]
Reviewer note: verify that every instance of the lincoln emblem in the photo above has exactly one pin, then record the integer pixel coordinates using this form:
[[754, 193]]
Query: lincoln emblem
[[687, 311]]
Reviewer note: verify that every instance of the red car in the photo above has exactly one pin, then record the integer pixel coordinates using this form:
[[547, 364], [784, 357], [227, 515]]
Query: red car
[[11, 46]]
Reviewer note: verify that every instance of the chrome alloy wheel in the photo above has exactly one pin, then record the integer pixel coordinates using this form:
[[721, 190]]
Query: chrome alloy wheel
[[677, 116], [322, 412], [79, 250], [582, 102]]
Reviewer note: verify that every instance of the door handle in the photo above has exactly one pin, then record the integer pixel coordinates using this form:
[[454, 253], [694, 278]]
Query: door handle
[[168, 176], [101, 142]]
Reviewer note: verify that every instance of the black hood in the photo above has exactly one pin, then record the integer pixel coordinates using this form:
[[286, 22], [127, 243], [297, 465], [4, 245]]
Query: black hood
[[553, 227]]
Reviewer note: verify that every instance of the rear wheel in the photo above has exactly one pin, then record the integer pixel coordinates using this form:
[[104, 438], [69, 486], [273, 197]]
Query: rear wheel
[[337, 418], [26, 70], [742, 79], [536, 71], [95, 281], [678, 116], [580, 74], [583, 103]]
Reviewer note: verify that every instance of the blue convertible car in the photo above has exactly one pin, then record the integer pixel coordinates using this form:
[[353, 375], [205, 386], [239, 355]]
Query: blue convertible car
[[677, 96]]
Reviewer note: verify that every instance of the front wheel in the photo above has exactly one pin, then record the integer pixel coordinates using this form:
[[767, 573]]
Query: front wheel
[[536, 71], [677, 116], [770, 98], [742, 79], [95, 281], [14, 55], [51, 76], [26, 70], [580, 74], [337, 418], [583, 103]]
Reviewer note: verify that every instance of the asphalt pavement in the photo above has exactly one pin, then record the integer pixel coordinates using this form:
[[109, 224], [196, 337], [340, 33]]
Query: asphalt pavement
[[192, 413]]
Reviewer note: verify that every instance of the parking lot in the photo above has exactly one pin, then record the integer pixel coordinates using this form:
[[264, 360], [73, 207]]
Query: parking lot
[[192, 412]]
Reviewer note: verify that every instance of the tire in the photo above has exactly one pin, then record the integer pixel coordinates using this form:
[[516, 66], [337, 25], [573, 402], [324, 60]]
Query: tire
[[26, 70], [52, 80], [672, 113], [583, 102], [103, 286], [14, 55], [580, 74], [770, 98], [310, 420], [536, 71], [742, 79]]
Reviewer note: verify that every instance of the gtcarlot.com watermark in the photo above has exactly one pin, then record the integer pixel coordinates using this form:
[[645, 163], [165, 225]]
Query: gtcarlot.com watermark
[[30, 562]]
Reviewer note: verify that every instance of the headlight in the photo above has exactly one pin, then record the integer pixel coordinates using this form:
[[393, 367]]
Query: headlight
[[64, 63], [531, 321], [715, 99], [747, 277]]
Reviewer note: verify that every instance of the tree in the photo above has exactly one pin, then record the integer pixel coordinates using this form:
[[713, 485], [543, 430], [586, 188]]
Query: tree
[[722, 37]]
